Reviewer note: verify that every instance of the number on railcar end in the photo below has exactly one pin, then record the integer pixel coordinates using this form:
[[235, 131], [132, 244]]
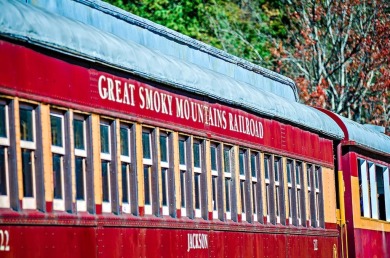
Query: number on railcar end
[[4, 240]]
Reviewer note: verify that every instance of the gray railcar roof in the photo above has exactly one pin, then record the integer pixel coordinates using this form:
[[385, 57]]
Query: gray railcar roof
[[130, 27], [366, 137], [42, 28]]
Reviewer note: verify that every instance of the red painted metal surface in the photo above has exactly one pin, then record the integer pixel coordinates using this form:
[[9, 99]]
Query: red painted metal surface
[[371, 243], [68, 84], [107, 242], [361, 242]]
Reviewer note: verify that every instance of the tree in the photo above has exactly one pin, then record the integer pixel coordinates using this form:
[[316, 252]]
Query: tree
[[338, 53], [241, 27]]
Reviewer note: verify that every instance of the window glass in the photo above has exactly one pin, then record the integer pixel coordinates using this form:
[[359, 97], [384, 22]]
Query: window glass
[[79, 178], [316, 178], [78, 127], [125, 143], [253, 165], [3, 175], [146, 145], [254, 185], [213, 151], [125, 180], [3, 119], [197, 191], [56, 130], [182, 153], [28, 185], [105, 181], [242, 190], [276, 169], [105, 138], [183, 188], [164, 148], [242, 163], [226, 159], [380, 192], [26, 124], [196, 154], [299, 204], [215, 194], [57, 176], [164, 174], [227, 193], [147, 185], [289, 164], [266, 167]]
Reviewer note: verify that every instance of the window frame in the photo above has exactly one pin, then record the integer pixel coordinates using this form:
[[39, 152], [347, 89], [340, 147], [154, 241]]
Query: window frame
[[127, 161], [30, 202], [243, 182], [107, 157], [298, 191], [59, 204], [184, 174], [228, 182], [148, 164], [5, 142], [215, 195], [317, 195], [289, 169], [81, 205], [267, 182], [278, 188], [165, 166], [255, 180], [197, 177]]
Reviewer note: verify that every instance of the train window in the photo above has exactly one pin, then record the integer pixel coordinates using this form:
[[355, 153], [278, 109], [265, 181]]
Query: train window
[[386, 183], [80, 150], [183, 174], [125, 166], [58, 152], [256, 200], [28, 145], [380, 189], [125, 140], [365, 209], [373, 191], [243, 170], [316, 192], [214, 179], [164, 159], [289, 186], [106, 159], [267, 161], [278, 188], [309, 168], [197, 157], [4, 150], [147, 162], [298, 193], [227, 157]]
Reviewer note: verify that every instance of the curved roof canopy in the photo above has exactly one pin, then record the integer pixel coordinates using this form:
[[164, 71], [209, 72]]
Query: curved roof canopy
[[129, 27], [39, 27], [365, 136]]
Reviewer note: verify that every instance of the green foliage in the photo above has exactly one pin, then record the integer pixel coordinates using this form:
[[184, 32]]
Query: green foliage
[[242, 28]]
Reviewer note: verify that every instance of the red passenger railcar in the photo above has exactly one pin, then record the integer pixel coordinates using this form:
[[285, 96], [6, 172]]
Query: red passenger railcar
[[109, 148], [364, 162]]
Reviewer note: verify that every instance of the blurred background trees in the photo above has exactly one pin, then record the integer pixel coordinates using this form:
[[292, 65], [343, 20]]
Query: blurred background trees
[[338, 52]]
